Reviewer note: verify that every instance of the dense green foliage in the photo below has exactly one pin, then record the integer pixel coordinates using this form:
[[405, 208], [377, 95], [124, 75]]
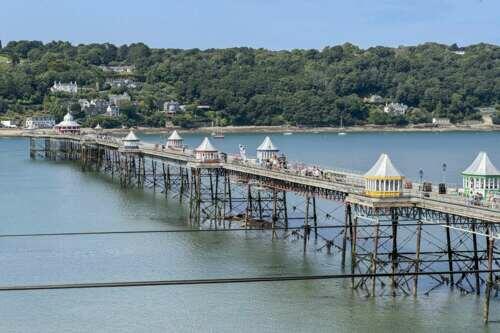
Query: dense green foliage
[[496, 116], [260, 87]]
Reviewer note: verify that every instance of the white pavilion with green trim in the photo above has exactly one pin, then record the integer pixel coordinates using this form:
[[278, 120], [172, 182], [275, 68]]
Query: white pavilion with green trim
[[481, 177]]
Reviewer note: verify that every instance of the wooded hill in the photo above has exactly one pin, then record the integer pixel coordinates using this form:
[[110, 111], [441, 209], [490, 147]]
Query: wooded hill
[[245, 86]]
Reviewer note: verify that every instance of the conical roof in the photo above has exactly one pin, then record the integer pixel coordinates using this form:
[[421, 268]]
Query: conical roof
[[68, 121], [174, 136], [383, 168], [98, 127], [482, 166], [206, 145], [267, 145], [68, 117], [131, 137]]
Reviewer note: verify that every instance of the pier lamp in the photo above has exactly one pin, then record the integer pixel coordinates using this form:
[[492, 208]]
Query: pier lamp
[[444, 166], [421, 176]]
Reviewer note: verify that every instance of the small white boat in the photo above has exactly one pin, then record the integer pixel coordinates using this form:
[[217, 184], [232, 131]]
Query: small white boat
[[287, 133], [341, 127], [217, 133]]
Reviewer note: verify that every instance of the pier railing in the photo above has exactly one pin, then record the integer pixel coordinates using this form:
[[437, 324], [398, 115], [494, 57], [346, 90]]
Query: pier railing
[[341, 179]]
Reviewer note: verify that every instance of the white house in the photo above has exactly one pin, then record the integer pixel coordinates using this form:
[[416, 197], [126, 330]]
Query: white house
[[118, 69], [71, 88], [121, 82], [8, 124], [374, 99], [171, 107], [40, 122], [441, 121], [397, 109], [84, 103]]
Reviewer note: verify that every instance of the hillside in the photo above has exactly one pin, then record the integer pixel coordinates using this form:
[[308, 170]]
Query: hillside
[[245, 86]]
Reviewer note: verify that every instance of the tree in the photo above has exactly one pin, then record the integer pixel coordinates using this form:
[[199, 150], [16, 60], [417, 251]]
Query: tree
[[246, 86]]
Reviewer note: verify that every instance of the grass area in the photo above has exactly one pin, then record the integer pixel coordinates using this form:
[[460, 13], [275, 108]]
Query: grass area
[[4, 59]]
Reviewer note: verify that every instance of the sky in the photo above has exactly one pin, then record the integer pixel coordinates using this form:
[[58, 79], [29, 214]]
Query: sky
[[272, 24]]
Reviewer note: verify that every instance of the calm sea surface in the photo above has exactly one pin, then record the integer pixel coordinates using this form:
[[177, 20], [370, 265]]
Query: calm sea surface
[[48, 197]]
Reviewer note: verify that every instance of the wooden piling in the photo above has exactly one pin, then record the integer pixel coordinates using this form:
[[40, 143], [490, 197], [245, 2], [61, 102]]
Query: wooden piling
[[394, 254], [489, 284], [448, 246], [374, 258], [306, 224], [475, 258], [417, 254]]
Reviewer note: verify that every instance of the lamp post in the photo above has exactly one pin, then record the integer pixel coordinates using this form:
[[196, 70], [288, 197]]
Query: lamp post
[[421, 175], [444, 166]]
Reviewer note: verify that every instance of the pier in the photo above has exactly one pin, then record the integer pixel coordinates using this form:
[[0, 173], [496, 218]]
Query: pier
[[406, 244]]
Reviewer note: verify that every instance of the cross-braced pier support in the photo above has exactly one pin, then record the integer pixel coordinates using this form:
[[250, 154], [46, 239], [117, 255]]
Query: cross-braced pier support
[[395, 248], [218, 197], [408, 250]]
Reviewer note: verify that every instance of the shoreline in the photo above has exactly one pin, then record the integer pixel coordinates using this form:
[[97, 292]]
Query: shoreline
[[17, 132]]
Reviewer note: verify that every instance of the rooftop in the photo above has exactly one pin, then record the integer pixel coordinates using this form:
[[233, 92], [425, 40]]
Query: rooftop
[[383, 168], [174, 136], [206, 145], [68, 121], [267, 145], [482, 166], [131, 137]]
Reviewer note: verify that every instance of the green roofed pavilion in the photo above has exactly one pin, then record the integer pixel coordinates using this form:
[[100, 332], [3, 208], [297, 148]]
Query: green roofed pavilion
[[481, 178]]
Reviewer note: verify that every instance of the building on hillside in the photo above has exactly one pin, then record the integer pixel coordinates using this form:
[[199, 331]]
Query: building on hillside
[[93, 107], [36, 122], [206, 152], [121, 83], [119, 99], [99, 105], [84, 103], [171, 107], [121, 69], [70, 88], [396, 109], [8, 124], [131, 141], [267, 150], [374, 99], [441, 121], [68, 125], [175, 141], [472, 122], [481, 178], [112, 111], [383, 179]]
